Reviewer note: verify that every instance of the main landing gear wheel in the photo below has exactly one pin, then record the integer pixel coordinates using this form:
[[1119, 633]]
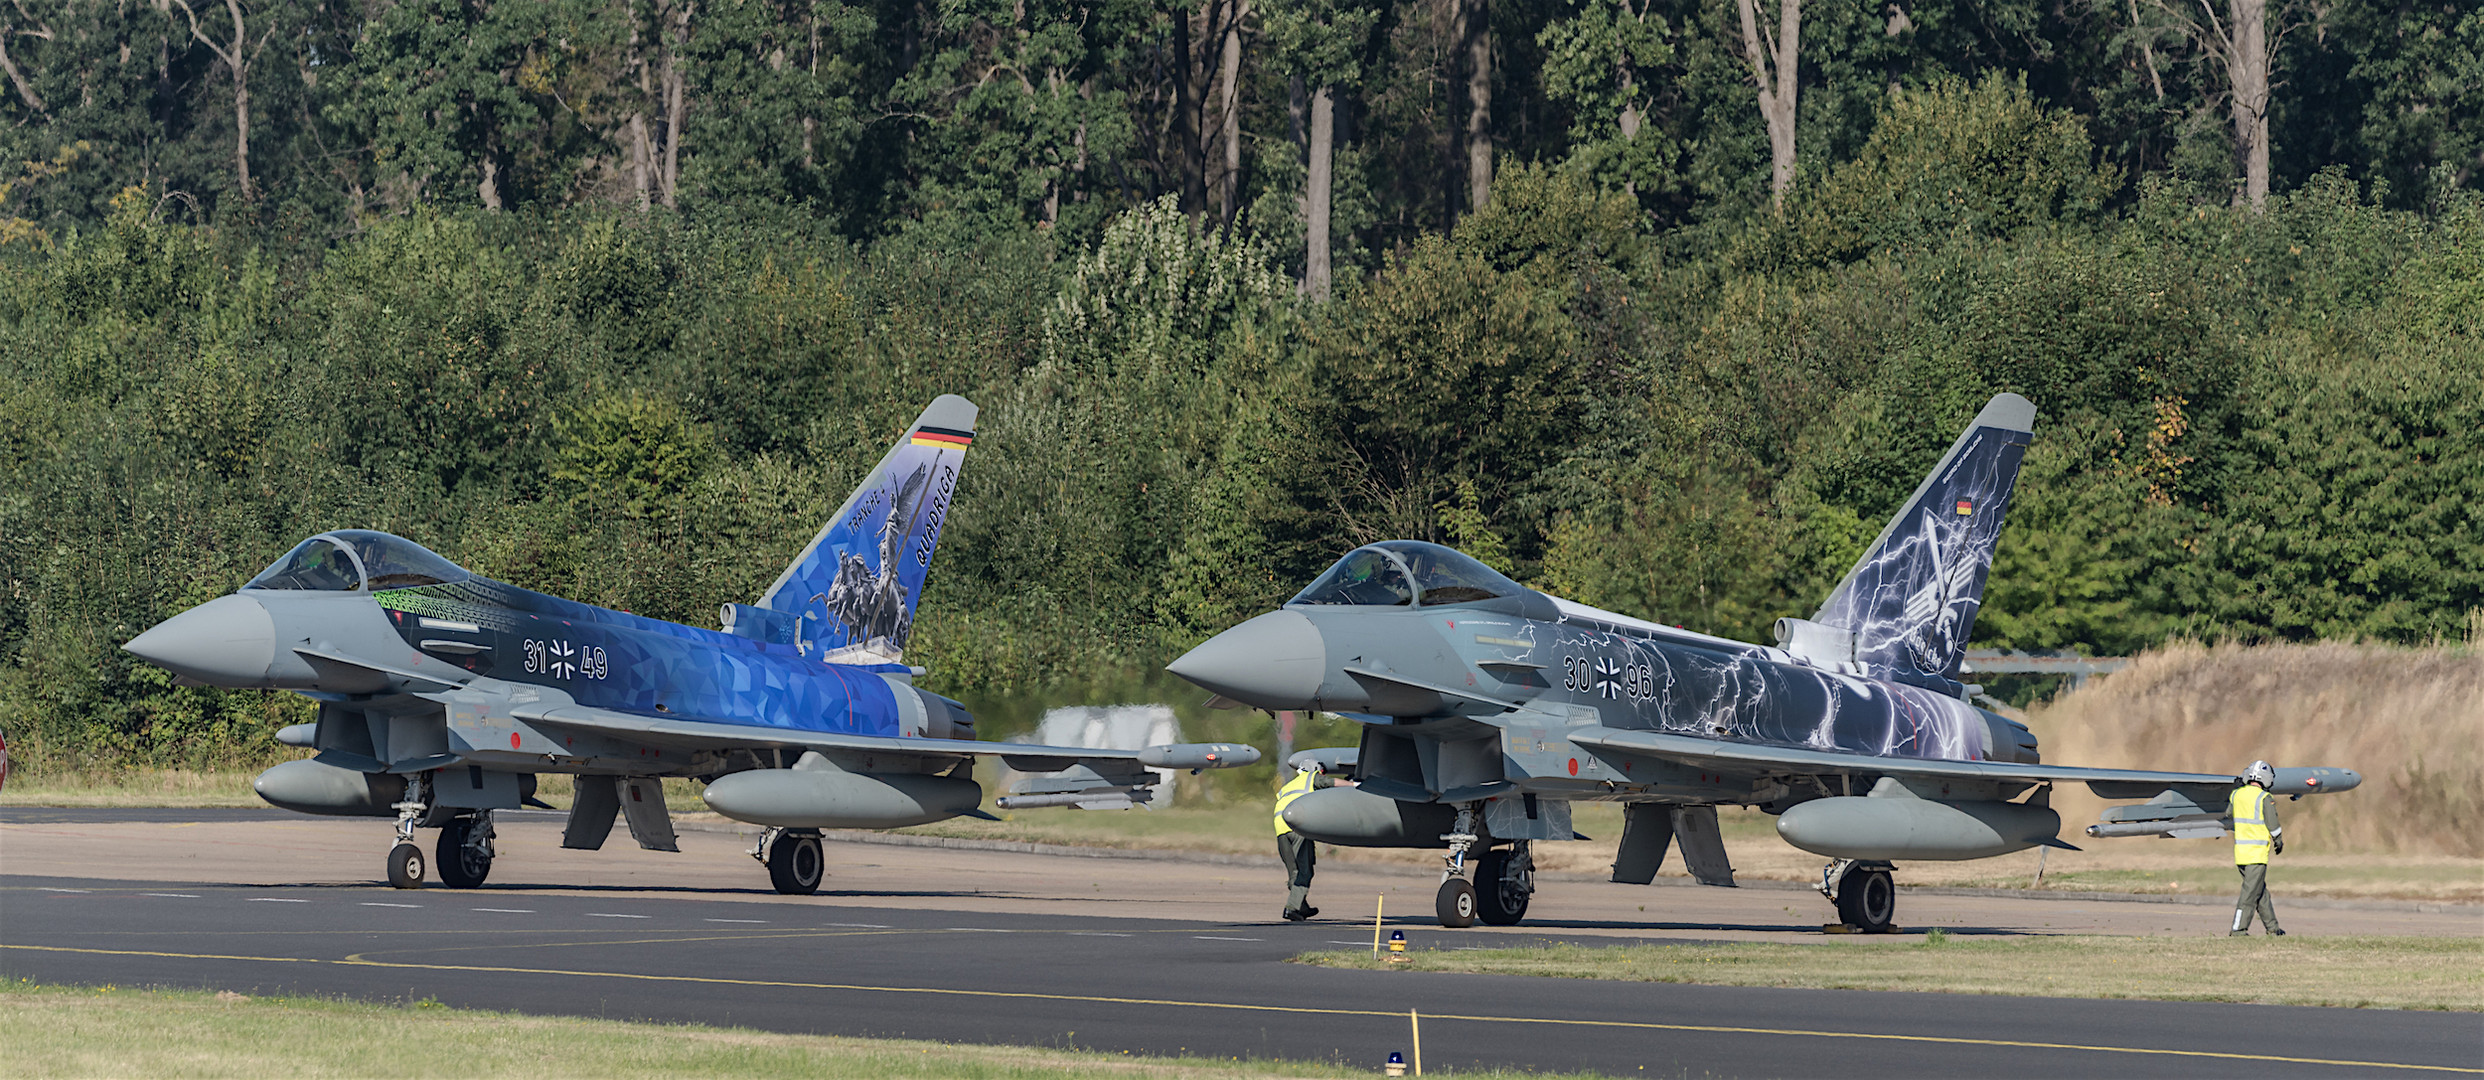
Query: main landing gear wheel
[[1504, 884], [405, 866], [464, 860], [795, 863], [1456, 904], [1867, 900]]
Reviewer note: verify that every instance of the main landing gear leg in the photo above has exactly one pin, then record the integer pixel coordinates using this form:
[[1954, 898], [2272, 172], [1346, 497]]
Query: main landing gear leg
[[405, 861], [1456, 902], [1864, 891], [466, 850], [795, 863]]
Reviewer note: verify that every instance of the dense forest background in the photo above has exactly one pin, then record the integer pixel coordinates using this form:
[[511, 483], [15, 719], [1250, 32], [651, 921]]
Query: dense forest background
[[1661, 304]]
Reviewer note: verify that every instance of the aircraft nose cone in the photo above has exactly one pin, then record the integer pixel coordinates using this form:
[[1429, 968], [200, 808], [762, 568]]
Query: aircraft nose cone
[[227, 641], [1275, 661]]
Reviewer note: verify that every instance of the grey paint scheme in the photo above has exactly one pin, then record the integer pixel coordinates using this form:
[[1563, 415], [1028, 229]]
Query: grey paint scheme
[[1857, 734]]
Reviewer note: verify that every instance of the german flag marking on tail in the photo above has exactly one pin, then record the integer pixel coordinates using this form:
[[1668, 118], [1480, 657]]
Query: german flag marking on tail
[[932, 436]]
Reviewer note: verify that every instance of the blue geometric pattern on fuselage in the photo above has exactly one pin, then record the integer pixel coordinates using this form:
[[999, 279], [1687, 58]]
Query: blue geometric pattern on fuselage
[[615, 660]]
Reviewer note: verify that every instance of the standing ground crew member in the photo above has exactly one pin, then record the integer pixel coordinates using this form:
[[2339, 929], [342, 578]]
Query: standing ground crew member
[[1295, 850], [2256, 836]]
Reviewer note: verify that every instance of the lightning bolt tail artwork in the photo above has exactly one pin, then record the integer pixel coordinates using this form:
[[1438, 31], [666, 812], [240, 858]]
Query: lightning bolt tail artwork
[[1909, 603]]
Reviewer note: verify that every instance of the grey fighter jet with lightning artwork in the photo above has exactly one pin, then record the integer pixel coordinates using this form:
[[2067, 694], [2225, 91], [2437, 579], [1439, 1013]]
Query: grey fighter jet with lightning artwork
[[444, 695], [1489, 707]]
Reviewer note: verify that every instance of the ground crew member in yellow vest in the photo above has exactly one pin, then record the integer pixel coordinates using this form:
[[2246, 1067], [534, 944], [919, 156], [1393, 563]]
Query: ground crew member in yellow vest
[[2256, 836], [1294, 849]]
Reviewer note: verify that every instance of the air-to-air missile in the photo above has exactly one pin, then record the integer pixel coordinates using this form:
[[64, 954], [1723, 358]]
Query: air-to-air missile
[[1489, 707], [443, 695]]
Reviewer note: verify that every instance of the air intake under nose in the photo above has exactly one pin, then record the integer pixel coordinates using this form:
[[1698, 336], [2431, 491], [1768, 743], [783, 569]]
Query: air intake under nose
[[1275, 661], [227, 641]]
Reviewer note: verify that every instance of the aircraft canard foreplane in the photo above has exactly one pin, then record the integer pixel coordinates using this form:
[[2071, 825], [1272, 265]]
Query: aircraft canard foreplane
[[1489, 707], [443, 696]]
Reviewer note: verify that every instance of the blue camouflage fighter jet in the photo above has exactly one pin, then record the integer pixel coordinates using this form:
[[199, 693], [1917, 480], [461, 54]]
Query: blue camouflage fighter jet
[[444, 695]]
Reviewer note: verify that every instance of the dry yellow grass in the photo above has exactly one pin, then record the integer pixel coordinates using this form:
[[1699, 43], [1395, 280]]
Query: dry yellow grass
[[2372, 972], [2410, 720]]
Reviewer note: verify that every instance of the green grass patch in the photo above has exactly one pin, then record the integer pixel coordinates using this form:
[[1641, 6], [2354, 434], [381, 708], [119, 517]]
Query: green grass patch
[[2360, 972], [58, 1031]]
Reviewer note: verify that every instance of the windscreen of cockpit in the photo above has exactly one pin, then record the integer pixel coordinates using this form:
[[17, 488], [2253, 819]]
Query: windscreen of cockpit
[[397, 563], [1449, 576], [1366, 576], [315, 564]]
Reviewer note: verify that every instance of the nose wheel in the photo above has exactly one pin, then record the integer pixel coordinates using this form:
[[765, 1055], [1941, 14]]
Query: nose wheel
[[405, 866]]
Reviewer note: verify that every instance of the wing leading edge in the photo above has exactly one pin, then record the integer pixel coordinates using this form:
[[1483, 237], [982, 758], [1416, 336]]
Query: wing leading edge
[[1689, 749]]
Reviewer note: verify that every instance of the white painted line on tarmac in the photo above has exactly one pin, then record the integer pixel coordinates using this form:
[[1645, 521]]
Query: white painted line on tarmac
[[1211, 937], [610, 915], [739, 920], [173, 895], [1093, 933], [857, 925], [507, 910], [978, 930], [276, 900], [375, 903], [46, 888]]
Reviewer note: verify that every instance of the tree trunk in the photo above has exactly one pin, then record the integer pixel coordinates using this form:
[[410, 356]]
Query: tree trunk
[[1186, 125], [1315, 194], [1229, 102], [642, 155], [1478, 28], [2247, 66], [1773, 72], [489, 189], [676, 108], [237, 59]]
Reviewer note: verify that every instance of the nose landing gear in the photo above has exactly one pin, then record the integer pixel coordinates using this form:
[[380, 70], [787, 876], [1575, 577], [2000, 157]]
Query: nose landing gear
[[405, 861], [1504, 879]]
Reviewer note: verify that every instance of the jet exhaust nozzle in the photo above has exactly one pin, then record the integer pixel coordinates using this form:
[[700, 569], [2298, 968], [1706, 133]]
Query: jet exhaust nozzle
[[228, 641], [1272, 661], [311, 786], [1872, 827], [1352, 817], [834, 799]]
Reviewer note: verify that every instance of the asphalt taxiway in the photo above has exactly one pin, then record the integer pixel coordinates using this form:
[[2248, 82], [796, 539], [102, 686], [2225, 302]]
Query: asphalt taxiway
[[1033, 949]]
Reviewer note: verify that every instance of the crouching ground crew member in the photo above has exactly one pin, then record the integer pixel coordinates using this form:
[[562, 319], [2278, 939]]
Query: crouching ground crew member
[[2256, 836], [1294, 849]]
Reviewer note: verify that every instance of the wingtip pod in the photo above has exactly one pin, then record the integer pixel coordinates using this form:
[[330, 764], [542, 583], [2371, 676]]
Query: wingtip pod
[[2315, 780]]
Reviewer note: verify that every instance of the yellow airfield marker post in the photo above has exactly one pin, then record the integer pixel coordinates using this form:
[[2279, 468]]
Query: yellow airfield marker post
[[1376, 909], [1416, 1019]]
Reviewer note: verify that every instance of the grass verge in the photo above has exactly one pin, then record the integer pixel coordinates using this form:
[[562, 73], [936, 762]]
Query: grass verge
[[86, 1031], [2358, 972]]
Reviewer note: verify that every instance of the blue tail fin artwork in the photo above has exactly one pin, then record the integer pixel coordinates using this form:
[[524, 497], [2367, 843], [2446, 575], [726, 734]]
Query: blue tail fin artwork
[[1910, 601], [850, 596]]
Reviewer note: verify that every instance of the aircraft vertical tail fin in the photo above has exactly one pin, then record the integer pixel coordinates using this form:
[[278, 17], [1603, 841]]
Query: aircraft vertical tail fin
[[1910, 601], [850, 596]]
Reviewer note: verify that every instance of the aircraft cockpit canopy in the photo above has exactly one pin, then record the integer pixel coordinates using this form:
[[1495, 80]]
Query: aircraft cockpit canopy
[[1397, 573], [349, 560]]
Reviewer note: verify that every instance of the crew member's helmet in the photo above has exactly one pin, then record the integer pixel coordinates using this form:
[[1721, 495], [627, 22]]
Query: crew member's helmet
[[2260, 773]]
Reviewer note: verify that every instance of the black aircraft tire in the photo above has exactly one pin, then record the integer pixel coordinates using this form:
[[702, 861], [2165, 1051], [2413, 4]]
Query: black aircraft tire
[[796, 865], [1456, 904], [1867, 901], [1495, 902], [460, 867], [405, 866]]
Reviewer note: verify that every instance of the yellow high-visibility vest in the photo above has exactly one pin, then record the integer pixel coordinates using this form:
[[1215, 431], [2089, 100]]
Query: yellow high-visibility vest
[[2250, 809], [1294, 789]]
